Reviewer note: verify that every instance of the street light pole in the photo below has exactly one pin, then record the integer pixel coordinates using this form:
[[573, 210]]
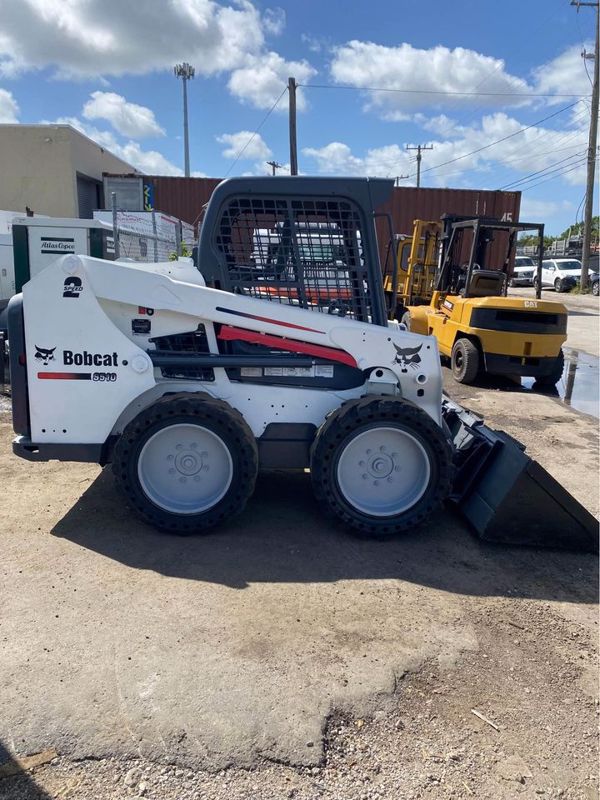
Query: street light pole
[[185, 71]]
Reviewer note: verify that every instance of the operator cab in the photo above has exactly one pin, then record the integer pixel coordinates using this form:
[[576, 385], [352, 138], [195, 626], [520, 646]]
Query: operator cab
[[467, 243]]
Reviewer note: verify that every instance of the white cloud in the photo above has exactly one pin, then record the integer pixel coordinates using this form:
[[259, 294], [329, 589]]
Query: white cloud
[[315, 43], [129, 119], [336, 158], [533, 150], [274, 21], [9, 109], [95, 38], [366, 64], [255, 146], [441, 124], [564, 74], [111, 37], [149, 161], [262, 79], [533, 209]]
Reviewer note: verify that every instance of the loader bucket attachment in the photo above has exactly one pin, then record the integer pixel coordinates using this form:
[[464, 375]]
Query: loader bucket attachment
[[507, 496]]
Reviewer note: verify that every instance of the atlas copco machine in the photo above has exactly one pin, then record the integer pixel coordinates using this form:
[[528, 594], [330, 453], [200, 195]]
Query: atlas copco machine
[[274, 351]]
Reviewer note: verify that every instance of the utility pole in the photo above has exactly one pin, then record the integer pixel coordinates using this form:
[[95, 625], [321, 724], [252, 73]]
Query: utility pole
[[419, 148], [400, 178], [292, 117], [591, 154], [275, 165], [186, 72]]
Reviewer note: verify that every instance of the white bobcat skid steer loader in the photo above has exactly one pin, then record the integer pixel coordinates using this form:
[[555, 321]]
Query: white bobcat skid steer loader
[[190, 389]]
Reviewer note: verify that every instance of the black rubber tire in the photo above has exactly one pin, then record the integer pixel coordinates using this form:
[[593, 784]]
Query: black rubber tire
[[406, 320], [215, 415], [553, 378], [352, 418], [465, 361], [596, 288], [559, 285]]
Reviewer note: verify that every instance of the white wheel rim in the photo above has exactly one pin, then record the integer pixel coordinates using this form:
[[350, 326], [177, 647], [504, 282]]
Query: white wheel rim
[[185, 469], [383, 471]]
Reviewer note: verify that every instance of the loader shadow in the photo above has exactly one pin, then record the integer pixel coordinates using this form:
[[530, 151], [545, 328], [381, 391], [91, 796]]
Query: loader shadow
[[16, 783], [282, 536]]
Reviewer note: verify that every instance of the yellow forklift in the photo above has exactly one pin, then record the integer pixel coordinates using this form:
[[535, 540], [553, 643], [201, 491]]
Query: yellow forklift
[[439, 283], [416, 259]]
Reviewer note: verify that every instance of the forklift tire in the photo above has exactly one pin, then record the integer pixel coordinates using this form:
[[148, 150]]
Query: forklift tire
[[549, 381], [186, 463], [381, 466], [465, 361]]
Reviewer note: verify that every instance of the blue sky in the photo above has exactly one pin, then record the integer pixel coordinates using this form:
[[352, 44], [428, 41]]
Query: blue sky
[[105, 66]]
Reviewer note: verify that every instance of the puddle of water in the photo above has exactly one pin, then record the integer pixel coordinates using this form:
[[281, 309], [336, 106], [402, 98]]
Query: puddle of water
[[580, 382]]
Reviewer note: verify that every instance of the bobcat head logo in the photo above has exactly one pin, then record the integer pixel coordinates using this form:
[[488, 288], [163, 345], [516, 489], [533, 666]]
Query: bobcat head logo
[[408, 357], [44, 355]]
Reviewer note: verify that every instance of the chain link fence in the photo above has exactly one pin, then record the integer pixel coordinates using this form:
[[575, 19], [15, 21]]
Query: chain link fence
[[149, 237]]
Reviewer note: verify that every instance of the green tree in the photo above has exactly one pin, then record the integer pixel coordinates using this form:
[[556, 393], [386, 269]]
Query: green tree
[[577, 230]]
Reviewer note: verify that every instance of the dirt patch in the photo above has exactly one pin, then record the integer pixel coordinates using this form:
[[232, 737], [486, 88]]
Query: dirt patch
[[529, 677], [208, 667]]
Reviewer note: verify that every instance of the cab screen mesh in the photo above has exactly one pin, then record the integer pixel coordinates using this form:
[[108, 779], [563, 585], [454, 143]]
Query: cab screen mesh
[[302, 252]]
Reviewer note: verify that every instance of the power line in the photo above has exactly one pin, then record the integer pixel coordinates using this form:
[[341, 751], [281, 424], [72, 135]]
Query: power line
[[264, 119], [526, 178], [433, 91], [553, 177], [508, 161], [503, 139], [579, 209]]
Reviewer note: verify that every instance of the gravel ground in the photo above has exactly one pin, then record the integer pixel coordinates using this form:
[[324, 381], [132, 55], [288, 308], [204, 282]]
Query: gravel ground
[[521, 632], [530, 679]]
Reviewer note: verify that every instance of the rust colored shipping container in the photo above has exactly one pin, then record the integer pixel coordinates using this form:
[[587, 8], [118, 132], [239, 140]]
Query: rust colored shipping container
[[186, 198], [410, 203]]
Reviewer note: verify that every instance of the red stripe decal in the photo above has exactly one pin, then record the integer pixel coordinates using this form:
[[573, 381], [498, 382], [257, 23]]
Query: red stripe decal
[[280, 343], [65, 376]]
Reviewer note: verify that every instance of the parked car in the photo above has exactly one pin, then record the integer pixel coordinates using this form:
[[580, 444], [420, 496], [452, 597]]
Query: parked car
[[524, 271], [560, 273]]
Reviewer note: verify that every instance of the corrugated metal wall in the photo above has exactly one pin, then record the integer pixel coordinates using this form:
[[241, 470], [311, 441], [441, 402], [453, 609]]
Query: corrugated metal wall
[[185, 198], [182, 197], [409, 204]]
